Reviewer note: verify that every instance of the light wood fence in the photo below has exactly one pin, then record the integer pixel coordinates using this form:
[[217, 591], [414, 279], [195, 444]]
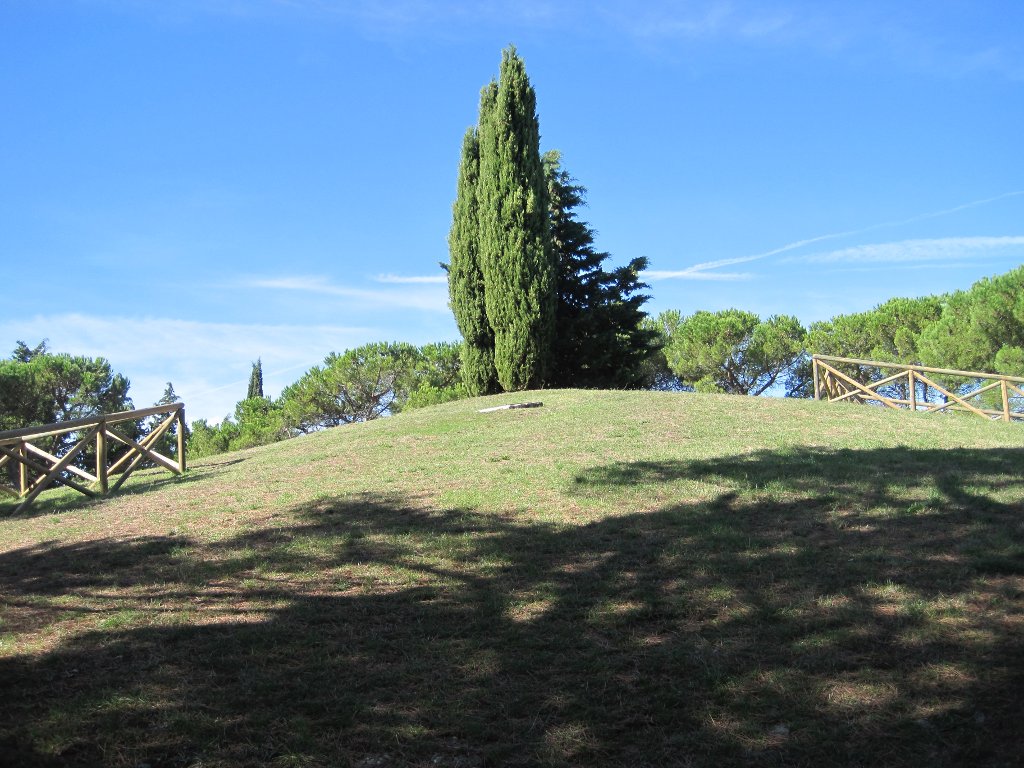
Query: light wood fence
[[920, 388], [38, 469]]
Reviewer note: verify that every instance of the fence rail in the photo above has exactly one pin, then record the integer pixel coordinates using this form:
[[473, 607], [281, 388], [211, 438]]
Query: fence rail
[[38, 469], [834, 385]]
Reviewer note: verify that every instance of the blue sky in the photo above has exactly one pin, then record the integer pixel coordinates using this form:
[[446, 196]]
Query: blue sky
[[188, 185]]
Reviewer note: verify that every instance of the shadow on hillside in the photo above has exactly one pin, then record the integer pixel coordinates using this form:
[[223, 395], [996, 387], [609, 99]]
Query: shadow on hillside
[[810, 615], [821, 473]]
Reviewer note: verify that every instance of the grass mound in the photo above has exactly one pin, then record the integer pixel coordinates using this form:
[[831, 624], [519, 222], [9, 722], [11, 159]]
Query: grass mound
[[612, 579]]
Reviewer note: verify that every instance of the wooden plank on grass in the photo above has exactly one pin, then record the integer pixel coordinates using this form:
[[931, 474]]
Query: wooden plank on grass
[[509, 407]]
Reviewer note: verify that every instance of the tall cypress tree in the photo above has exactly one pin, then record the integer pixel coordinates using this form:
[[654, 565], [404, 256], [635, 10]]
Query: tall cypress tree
[[256, 380], [515, 253], [465, 279]]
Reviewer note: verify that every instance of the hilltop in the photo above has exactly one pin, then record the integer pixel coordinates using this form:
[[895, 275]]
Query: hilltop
[[615, 578]]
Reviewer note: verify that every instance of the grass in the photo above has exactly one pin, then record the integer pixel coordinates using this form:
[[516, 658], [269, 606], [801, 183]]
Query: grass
[[634, 579]]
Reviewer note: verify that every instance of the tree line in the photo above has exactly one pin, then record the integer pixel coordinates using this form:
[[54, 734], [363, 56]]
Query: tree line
[[979, 329], [361, 384]]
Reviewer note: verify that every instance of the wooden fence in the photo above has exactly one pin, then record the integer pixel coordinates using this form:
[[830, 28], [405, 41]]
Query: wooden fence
[[918, 385], [38, 469]]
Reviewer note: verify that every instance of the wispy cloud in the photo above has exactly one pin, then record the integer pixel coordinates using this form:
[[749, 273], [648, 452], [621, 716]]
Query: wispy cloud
[[918, 251], [413, 280], [431, 299], [703, 271], [692, 274], [698, 272], [948, 211]]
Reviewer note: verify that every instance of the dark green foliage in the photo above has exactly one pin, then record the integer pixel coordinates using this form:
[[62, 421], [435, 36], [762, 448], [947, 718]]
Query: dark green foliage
[[371, 381], [465, 278], [23, 354], [515, 252], [734, 351], [255, 381], [437, 376], [888, 333], [207, 440], [256, 421], [20, 401], [428, 394], [981, 329], [657, 373], [601, 340], [358, 385], [439, 365], [169, 396], [38, 387], [260, 422]]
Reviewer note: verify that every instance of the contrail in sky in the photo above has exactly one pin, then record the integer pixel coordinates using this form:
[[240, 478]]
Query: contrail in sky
[[700, 271]]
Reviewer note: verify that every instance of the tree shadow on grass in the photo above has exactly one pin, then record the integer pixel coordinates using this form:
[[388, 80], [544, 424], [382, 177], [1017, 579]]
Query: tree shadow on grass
[[822, 609]]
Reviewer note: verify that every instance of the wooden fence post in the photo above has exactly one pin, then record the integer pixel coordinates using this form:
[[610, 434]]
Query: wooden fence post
[[180, 416], [23, 469], [101, 457], [913, 390], [1006, 400], [817, 383]]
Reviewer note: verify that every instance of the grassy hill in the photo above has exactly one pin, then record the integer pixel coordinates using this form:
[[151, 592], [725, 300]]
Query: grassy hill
[[612, 579]]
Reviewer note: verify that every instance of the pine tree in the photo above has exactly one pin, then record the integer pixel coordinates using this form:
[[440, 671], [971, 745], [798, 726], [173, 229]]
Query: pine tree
[[515, 253], [601, 339], [256, 380], [168, 443], [465, 279], [169, 396]]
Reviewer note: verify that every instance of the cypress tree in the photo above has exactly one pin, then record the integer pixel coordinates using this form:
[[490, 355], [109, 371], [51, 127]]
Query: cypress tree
[[465, 280], [515, 252], [256, 380]]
